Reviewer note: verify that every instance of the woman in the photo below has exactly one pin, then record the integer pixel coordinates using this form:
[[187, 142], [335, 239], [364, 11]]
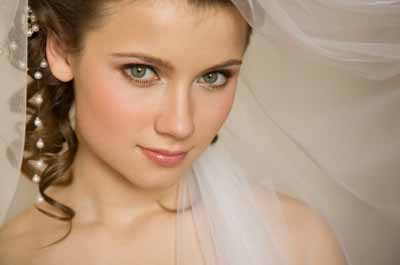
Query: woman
[[126, 97]]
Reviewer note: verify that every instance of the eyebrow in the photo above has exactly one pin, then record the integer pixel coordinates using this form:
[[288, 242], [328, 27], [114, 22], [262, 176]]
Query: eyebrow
[[167, 65]]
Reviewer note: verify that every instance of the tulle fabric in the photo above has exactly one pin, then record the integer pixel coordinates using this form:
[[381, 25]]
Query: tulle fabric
[[314, 118], [12, 100]]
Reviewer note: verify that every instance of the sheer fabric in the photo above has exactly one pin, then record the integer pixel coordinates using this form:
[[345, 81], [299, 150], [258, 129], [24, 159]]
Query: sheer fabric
[[314, 118]]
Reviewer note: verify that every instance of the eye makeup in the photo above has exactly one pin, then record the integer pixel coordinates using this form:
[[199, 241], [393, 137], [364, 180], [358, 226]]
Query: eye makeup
[[126, 70]]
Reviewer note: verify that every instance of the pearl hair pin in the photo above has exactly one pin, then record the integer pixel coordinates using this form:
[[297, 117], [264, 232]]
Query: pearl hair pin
[[36, 179], [40, 199], [38, 99], [40, 144], [38, 75], [43, 64], [40, 163], [33, 27], [38, 122]]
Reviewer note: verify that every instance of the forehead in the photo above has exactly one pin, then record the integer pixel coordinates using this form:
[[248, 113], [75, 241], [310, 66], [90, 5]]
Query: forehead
[[171, 29]]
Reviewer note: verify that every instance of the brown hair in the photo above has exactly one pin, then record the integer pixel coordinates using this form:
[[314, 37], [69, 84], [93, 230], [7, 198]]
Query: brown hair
[[67, 21]]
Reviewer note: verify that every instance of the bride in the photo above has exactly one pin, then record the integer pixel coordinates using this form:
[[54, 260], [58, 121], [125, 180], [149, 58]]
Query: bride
[[125, 98]]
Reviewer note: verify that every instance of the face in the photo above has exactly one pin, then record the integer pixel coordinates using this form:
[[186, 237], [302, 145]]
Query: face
[[156, 76]]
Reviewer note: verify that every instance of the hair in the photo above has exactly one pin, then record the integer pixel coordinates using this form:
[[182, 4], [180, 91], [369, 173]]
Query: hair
[[67, 21]]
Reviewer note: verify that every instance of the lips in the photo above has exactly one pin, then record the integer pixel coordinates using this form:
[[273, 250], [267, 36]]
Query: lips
[[166, 152], [165, 158]]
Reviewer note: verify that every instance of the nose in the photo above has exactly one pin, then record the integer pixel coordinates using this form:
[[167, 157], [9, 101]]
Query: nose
[[175, 117]]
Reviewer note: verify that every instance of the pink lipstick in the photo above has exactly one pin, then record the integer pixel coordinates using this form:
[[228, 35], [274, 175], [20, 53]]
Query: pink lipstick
[[164, 158]]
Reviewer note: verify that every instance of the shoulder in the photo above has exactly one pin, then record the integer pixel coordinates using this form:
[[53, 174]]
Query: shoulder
[[21, 236], [310, 235], [17, 226], [13, 236], [313, 231]]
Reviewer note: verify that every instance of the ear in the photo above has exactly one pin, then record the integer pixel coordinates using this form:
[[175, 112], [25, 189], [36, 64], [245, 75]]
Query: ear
[[58, 60]]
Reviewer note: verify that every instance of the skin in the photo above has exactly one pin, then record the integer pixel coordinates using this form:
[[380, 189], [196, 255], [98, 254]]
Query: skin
[[175, 110], [116, 187]]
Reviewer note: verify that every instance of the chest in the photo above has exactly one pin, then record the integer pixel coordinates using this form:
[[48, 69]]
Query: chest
[[155, 246], [110, 248]]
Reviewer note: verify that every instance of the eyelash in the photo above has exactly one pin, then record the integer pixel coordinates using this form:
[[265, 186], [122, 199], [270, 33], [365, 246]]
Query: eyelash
[[226, 73]]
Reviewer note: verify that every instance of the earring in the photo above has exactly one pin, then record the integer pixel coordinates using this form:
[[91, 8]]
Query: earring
[[215, 140]]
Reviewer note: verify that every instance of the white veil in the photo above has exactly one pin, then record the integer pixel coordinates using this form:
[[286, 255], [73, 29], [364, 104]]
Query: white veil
[[13, 60], [314, 118]]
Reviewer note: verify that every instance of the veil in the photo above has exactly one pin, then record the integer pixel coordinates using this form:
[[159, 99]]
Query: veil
[[313, 126]]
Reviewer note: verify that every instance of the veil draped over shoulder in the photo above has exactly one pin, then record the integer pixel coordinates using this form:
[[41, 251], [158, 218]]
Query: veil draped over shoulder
[[315, 119]]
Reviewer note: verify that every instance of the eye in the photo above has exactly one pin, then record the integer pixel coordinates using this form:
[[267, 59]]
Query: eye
[[216, 79], [140, 73]]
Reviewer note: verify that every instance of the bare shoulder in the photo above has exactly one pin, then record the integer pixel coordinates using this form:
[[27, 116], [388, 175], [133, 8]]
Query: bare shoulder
[[14, 235], [17, 226], [311, 236], [314, 231], [21, 236]]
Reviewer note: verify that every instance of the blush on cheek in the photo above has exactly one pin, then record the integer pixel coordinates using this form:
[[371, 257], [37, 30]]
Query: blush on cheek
[[108, 103], [211, 117], [225, 105]]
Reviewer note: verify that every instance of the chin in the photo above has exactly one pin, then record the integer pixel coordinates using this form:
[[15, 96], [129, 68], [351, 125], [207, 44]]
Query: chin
[[153, 177]]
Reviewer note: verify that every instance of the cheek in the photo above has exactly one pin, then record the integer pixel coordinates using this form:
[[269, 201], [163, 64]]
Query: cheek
[[105, 110], [213, 110], [109, 110]]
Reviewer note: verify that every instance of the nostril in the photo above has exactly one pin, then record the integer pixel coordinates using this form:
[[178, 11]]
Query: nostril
[[175, 117], [175, 125]]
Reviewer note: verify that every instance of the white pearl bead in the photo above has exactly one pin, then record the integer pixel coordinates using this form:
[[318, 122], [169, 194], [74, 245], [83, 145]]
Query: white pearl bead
[[40, 164], [29, 33], [35, 28], [38, 122], [43, 64], [38, 99], [40, 144], [40, 199], [33, 18], [38, 75], [36, 179]]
